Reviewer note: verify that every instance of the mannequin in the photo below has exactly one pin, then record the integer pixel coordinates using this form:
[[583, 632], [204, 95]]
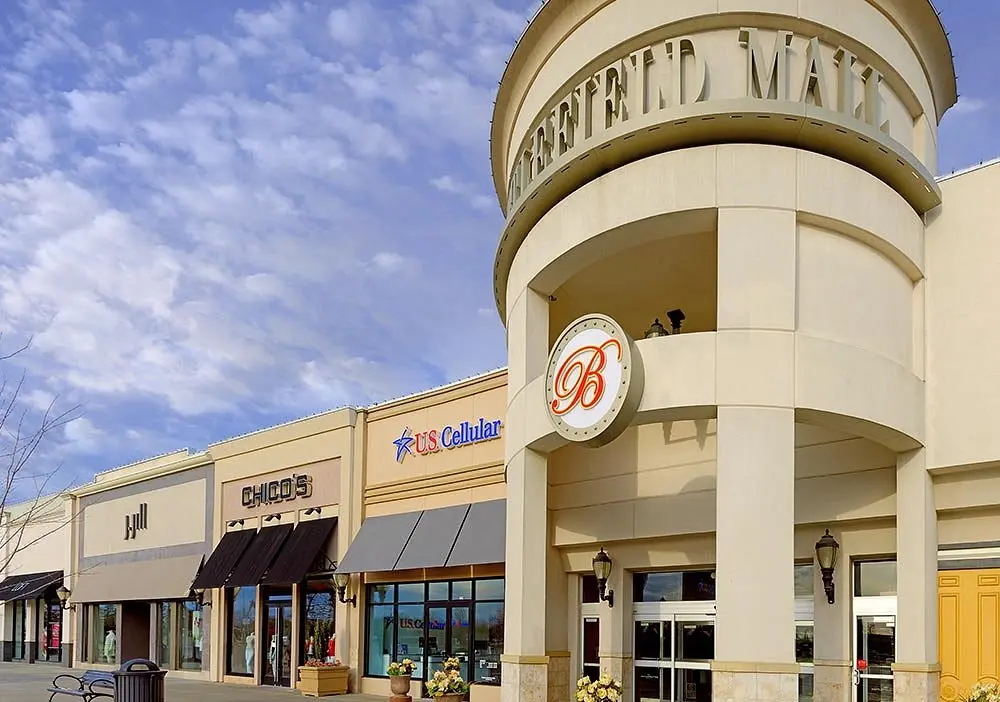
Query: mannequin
[[250, 648], [110, 646], [331, 649]]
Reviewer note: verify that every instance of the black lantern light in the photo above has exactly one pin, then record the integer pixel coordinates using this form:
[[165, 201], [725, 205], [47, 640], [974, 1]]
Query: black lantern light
[[63, 593], [675, 317], [827, 550], [656, 330], [199, 594], [341, 581], [602, 570]]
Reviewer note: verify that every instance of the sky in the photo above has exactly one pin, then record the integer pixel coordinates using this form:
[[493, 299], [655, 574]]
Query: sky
[[219, 216]]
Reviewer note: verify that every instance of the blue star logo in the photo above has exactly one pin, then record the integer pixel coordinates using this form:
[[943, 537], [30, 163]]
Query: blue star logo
[[404, 445]]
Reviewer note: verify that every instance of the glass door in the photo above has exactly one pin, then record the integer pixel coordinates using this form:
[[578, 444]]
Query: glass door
[[674, 649], [52, 631], [591, 662], [278, 641], [444, 625], [874, 648], [20, 622]]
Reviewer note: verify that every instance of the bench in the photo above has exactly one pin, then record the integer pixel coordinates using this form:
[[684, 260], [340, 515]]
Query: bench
[[93, 684]]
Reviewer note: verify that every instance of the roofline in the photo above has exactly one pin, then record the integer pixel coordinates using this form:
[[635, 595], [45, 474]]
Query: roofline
[[197, 460], [472, 379], [969, 169]]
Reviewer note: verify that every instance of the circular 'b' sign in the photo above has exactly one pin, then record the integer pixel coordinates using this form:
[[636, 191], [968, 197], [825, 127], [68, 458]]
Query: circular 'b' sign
[[594, 381]]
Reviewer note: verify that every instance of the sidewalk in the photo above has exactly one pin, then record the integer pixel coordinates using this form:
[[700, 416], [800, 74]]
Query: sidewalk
[[27, 683]]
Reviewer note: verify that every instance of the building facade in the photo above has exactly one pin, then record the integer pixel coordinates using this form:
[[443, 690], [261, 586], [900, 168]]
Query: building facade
[[35, 538], [141, 535], [759, 175]]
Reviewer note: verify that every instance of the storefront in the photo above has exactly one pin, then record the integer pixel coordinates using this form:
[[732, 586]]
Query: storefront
[[131, 589], [279, 507], [31, 617], [747, 331], [427, 565]]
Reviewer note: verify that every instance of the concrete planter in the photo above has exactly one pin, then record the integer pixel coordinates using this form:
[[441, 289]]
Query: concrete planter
[[399, 684], [323, 682]]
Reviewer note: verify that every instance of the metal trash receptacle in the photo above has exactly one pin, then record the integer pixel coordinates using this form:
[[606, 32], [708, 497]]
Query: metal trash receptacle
[[139, 680]]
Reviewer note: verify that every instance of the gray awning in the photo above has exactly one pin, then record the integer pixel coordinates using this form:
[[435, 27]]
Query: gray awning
[[431, 542], [449, 536], [379, 543], [156, 579], [482, 539]]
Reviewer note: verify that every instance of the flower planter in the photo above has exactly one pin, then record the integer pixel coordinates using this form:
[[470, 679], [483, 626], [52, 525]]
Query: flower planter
[[450, 697], [323, 682], [399, 684]]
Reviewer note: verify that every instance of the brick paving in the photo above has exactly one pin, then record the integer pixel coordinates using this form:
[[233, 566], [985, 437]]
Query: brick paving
[[27, 683]]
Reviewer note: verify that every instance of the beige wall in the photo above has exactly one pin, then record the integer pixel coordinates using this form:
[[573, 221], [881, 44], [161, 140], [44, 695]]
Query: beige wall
[[44, 540], [468, 473], [103, 524]]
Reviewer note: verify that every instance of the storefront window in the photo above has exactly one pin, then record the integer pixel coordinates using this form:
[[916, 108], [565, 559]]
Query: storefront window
[[875, 579], [319, 633], [691, 586], [104, 634], [165, 631], [20, 624], [189, 633], [428, 622], [51, 643], [242, 611]]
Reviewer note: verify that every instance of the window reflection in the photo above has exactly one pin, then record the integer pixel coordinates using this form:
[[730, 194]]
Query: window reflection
[[242, 603], [319, 632], [104, 634], [189, 635], [691, 586]]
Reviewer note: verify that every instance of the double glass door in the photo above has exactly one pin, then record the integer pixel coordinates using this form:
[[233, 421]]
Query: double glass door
[[673, 656], [448, 636], [277, 643], [874, 648]]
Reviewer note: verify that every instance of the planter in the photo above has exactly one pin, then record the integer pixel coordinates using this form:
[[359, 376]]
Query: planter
[[450, 697], [399, 684], [323, 682]]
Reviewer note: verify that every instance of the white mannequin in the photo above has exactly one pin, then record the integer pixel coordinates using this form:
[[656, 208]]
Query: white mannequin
[[250, 649]]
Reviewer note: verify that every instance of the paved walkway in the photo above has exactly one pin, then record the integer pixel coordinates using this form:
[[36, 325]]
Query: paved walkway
[[27, 683]]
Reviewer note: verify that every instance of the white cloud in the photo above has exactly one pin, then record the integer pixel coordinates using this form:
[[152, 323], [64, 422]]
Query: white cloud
[[967, 105], [351, 25], [82, 436], [33, 136], [479, 201]]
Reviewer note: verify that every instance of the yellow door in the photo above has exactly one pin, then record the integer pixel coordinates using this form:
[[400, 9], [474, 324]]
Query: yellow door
[[968, 629]]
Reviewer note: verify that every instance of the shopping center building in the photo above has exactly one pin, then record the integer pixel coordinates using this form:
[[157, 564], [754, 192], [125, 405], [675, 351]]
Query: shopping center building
[[744, 448]]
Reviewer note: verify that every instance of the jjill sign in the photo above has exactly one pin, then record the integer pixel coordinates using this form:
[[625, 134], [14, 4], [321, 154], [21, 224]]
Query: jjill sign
[[594, 381]]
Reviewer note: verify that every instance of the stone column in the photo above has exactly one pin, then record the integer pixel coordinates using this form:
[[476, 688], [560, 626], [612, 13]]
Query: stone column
[[524, 661], [557, 646], [755, 596], [833, 658], [917, 672], [616, 629]]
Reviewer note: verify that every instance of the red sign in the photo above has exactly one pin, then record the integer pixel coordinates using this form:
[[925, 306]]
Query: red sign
[[579, 380], [862, 664]]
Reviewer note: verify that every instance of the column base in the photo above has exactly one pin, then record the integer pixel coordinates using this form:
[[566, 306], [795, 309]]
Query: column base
[[755, 682], [560, 682], [833, 681], [916, 683], [619, 666], [525, 679]]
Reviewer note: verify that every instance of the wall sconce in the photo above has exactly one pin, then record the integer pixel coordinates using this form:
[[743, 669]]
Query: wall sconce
[[341, 581], [63, 593], [602, 569], [314, 510], [199, 594], [827, 550], [235, 522], [271, 517], [656, 330], [675, 317]]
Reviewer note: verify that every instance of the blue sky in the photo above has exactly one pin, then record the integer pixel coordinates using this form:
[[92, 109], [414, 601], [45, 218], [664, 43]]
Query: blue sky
[[217, 216]]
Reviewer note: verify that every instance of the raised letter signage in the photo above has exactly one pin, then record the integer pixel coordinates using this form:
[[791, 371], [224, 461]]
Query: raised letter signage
[[134, 523], [276, 491], [449, 437], [594, 381]]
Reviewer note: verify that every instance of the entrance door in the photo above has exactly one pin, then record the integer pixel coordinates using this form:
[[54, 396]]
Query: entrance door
[[277, 644], [874, 648], [591, 662], [674, 648], [448, 636]]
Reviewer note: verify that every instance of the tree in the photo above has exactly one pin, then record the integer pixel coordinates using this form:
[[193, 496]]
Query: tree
[[31, 505]]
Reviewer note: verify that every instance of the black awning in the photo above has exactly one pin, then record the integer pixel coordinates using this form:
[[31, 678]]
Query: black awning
[[483, 538], [28, 586], [223, 559], [259, 556], [301, 549]]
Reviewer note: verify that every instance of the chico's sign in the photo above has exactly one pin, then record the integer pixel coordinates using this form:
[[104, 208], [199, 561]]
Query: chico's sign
[[276, 491]]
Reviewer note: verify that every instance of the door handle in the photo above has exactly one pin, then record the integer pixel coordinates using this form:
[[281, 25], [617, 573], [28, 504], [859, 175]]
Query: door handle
[[856, 676]]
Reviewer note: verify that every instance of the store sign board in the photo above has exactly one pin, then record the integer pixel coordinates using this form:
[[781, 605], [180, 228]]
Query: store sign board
[[594, 381], [450, 437], [277, 491], [651, 85], [136, 522]]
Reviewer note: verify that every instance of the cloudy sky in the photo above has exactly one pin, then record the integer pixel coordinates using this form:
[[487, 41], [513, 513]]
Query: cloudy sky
[[217, 216]]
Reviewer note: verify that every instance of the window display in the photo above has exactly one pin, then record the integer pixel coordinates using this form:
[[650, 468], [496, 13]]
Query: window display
[[189, 635], [104, 634], [319, 633], [242, 605], [429, 622]]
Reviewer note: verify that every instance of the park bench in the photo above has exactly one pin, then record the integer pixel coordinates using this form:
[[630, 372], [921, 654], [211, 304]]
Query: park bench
[[92, 685]]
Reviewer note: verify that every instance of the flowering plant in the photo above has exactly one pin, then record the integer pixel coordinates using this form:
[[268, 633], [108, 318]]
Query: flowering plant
[[447, 681], [317, 663], [983, 692], [404, 667], [604, 689]]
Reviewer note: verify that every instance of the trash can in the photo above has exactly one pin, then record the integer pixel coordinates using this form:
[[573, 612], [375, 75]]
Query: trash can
[[133, 684]]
